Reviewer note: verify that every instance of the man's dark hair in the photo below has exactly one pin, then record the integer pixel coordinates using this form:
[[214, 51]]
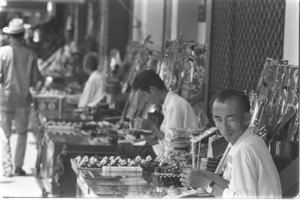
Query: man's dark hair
[[146, 79], [90, 61], [18, 35], [225, 94]]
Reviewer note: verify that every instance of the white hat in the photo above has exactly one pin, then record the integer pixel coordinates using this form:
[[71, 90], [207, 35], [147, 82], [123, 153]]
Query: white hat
[[15, 26]]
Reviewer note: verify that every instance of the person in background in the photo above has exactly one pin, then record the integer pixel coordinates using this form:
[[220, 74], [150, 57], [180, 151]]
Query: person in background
[[94, 89], [249, 168], [19, 80], [177, 112], [3, 39]]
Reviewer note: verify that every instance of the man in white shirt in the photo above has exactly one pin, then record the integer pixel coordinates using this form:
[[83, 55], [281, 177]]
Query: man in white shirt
[[94, 89], [177, 112], [249, 171]]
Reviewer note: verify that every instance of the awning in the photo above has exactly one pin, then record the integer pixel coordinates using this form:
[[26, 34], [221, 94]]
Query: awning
[[32, 5]]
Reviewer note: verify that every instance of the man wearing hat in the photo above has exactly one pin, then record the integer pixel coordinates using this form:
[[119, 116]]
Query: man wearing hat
[[18, 76]]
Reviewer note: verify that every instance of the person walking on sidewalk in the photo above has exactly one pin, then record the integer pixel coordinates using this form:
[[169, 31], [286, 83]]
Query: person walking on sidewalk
[[19, 75]]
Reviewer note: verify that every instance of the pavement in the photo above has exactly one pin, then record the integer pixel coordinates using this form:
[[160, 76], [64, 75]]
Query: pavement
[[22, 186]]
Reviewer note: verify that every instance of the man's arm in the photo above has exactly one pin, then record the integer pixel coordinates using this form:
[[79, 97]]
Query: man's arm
[[220, 183], [158, 133], [1, 72], [87, 94], [197, 178], [36, 77], [149, 125]]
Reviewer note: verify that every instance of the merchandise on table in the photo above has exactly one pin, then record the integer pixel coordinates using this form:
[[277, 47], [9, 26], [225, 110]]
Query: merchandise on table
[[98, 162], [118, 186], [168, 175], [89, 128]]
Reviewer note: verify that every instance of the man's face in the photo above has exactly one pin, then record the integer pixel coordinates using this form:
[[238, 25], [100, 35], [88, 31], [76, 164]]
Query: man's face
[[151, 96], [229, 119]]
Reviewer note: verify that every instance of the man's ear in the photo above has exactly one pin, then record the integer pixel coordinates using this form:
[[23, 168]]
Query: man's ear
[[152, 90], [247, 118]]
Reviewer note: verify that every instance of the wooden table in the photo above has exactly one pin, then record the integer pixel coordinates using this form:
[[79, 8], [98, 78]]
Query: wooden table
[[54, 172]]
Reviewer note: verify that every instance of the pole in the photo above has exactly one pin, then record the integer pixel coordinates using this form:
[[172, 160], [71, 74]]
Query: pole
[[103, 33]]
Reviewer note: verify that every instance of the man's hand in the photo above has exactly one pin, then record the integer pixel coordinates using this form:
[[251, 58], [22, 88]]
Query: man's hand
[[33, 92], [151, 140], [194, 178]]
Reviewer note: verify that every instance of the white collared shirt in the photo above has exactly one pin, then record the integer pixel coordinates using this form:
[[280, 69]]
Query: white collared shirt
[[178, 113], [250, 170], [94, 90]]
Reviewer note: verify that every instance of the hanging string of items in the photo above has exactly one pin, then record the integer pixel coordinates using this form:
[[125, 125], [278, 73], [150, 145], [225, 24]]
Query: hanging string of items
[[275, 104], [140, 58], [182, 67]]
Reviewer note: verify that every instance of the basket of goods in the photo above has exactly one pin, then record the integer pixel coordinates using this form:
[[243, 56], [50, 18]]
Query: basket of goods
[[180, 140], [181, 157], [168, 175], [180, 143]]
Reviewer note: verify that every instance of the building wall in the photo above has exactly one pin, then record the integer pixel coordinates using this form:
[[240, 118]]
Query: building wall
[[138, 20], [181, 16], [188, 19], [291, 32]]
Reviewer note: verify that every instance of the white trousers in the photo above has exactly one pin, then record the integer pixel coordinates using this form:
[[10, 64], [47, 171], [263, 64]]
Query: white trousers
[[20, 117]]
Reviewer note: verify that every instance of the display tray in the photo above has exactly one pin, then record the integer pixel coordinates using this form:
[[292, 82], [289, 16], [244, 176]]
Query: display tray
[[122, 169], [145, 131], [189, 193], [97, 178], [74, 165], [108, 168]]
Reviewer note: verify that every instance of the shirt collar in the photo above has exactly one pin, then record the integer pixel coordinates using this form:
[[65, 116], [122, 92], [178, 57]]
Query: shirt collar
[[16, 43], [245, 134]]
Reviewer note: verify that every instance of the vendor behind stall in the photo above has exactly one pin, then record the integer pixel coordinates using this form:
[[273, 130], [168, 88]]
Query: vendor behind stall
[[249, 168], [177, 112], [94, 89]]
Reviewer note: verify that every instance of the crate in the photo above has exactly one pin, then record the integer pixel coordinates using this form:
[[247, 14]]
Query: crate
[[50, 103]]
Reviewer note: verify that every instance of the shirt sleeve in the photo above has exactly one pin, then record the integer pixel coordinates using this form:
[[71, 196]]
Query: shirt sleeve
[[2, 67], [88, 94], [175, 119], [1, 71], [243, 183], [35, 74]]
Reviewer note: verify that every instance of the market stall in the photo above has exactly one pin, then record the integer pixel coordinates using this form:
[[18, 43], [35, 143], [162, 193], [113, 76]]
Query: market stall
[[63, 138], [66, 132], [138, 178], [101, 175], [84, 149], [273, 106]]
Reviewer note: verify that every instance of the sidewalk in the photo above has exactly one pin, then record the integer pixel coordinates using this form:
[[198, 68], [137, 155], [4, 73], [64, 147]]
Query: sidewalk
[[22, 186]]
